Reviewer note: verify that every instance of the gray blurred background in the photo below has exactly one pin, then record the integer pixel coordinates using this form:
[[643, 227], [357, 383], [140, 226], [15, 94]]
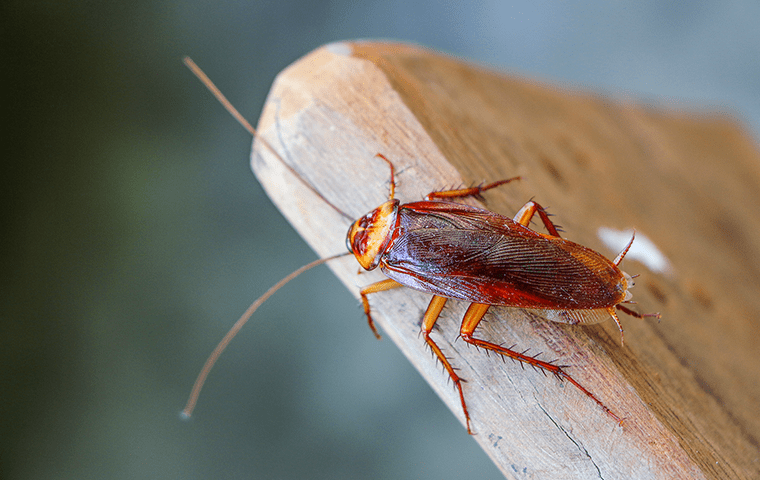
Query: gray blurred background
[[134, 235]]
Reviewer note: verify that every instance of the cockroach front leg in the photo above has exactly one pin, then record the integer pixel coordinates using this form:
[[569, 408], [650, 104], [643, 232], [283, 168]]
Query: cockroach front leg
[[472, 318], [428, 322], [380, 286]]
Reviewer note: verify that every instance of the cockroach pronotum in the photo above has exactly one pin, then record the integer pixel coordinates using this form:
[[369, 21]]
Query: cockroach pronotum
[[456, 251]]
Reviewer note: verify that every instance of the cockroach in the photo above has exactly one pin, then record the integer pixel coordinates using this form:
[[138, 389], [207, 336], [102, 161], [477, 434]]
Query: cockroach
[[456, 251]]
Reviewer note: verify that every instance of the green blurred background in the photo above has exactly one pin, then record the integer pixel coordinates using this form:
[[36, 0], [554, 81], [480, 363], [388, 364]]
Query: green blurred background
[[133, 234]]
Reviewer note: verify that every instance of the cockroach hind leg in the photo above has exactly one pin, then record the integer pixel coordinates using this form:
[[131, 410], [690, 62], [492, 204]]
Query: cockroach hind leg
[[472, 317], [617, 322], [544, 367], [635, 314], [631, 313]]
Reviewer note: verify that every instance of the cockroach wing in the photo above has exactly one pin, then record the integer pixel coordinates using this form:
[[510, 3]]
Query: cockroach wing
[[457, 251]]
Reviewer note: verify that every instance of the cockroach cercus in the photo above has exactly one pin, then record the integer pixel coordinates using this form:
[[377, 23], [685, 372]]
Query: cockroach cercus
[[456, 251]]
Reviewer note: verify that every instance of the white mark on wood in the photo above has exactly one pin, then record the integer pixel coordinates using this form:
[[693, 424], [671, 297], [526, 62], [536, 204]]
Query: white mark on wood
[[339, 48]]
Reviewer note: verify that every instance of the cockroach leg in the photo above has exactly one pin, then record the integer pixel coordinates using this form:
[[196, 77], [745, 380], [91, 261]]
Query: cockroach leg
[[472, 318], [637, 314], [467, 192], [526, 213], [380, 286], [392, 186], [631, 313], [428, 322], [617, 321]]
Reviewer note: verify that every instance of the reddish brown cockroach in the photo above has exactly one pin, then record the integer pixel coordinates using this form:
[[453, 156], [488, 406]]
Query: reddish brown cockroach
[[456, 251], [452, 250]]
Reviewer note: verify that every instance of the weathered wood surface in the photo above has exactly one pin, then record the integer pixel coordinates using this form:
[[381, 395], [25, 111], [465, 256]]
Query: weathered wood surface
[[688, 387]]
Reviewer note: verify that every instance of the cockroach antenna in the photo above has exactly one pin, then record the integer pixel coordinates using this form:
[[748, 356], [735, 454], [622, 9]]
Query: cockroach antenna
[[242, 121], [188, 410]]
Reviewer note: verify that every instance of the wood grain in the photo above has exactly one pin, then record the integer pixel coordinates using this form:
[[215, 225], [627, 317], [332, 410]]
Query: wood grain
[[688, 387]]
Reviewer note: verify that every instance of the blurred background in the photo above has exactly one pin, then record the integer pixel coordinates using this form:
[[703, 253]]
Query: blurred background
[[134, 234]]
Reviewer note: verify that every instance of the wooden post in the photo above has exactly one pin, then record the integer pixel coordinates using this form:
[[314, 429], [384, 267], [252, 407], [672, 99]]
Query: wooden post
[[688, 386]]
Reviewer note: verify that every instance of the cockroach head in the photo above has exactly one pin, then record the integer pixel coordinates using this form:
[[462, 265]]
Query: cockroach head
[[369, 236]]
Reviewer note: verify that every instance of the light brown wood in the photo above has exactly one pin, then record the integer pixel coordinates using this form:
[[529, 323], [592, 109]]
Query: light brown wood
[[688, 387]]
